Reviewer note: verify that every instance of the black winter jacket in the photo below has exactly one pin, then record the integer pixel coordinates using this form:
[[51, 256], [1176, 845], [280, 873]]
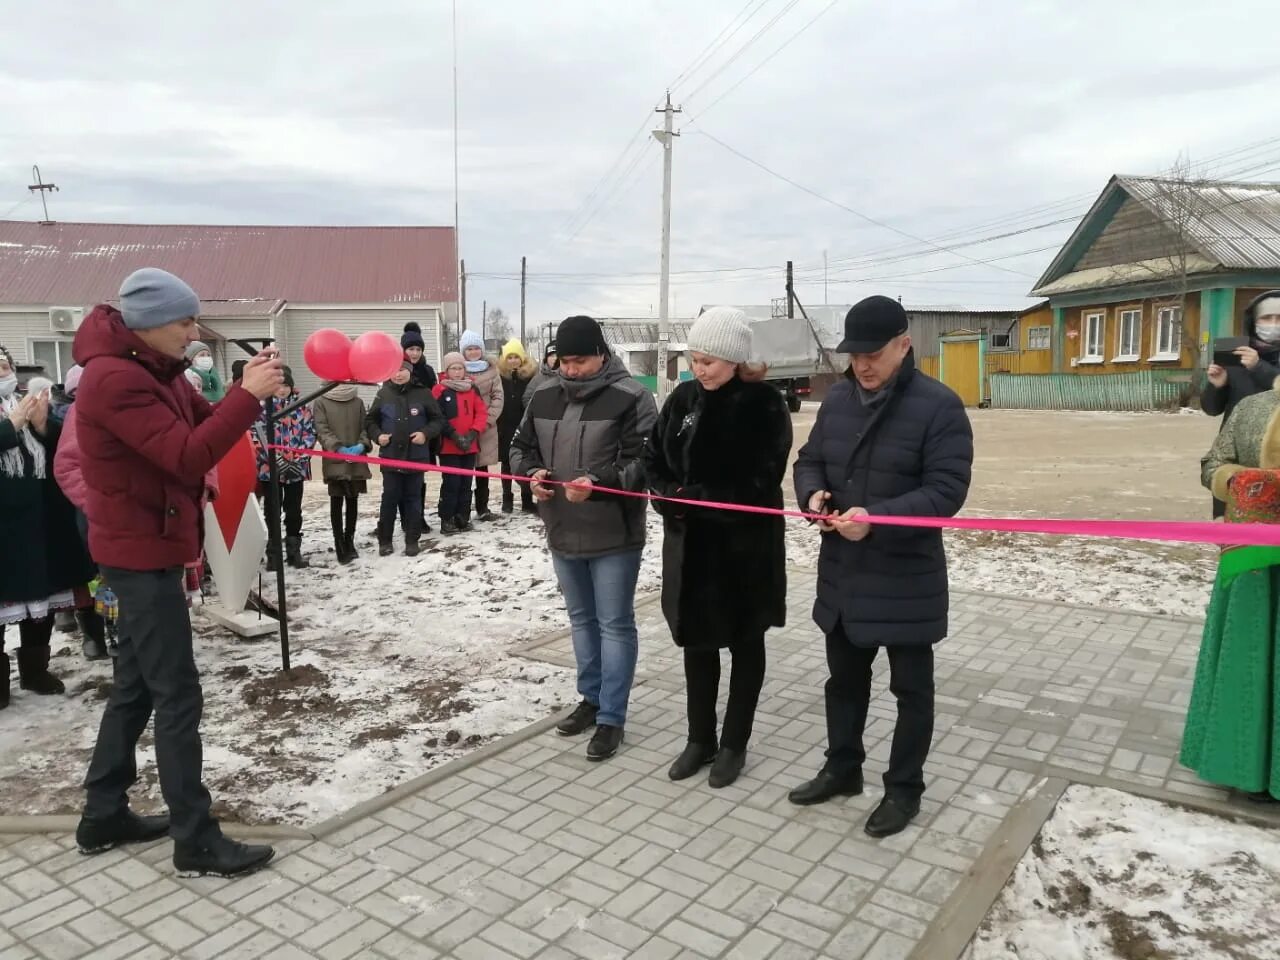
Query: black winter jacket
[[400, 410], [910, 456], [724, 576]]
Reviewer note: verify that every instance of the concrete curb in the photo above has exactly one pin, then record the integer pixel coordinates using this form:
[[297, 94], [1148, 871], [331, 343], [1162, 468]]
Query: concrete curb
[[66, 823], [963, 912], [410, 787]]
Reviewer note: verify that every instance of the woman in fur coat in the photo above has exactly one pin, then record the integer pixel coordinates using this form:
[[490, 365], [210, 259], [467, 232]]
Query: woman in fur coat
[[1233, 720], [724, 436]]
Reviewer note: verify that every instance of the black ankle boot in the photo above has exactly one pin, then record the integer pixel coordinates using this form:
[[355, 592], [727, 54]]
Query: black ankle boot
[[693, 758], [293, 553]]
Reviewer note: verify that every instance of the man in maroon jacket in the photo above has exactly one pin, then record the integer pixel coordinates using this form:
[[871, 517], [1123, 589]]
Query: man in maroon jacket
[[146, 442]]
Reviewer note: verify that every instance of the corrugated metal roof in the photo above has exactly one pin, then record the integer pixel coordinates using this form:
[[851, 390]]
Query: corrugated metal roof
[[1234, 225], [70, 264]]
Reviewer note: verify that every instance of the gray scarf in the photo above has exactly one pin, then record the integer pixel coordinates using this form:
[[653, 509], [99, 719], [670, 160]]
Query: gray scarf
[[11, 464], [458, 386], [342, 392], [871, 399]]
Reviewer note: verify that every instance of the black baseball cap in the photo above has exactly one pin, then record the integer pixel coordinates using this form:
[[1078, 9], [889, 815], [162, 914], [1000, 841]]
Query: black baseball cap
[[871, 323]]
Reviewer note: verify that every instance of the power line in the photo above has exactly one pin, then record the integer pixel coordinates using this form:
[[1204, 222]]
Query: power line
[[741, 50], [710, 49], [9, 212], [773, 56]]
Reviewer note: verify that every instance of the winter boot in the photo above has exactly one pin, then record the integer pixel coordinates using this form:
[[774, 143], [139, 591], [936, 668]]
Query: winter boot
[[219, 857], [448, 527], [411, 548], [352, 552], [340, 548], [273, 557], [94, 631], [483, 515], [462, 522], [33, 658], [293, 553]]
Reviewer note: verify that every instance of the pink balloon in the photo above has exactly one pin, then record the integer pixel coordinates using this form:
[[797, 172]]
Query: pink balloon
[[327, 353], [375, 356]]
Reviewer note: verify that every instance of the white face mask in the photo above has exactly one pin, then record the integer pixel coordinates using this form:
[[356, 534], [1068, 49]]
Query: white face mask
[[203, 363], [1269, 331], [8, 385]]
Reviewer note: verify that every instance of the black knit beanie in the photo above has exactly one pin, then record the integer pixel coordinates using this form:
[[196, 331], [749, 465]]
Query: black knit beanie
[[412, 337], [580, 337]]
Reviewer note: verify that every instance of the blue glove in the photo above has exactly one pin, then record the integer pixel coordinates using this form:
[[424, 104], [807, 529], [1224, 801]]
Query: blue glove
[[354, 450]]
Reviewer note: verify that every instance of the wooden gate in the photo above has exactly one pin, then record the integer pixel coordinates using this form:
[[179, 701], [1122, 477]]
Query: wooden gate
[[961, 366]]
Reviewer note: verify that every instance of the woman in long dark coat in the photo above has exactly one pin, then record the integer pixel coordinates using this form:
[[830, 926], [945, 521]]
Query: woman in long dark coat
[[721, 437], [43, 559]]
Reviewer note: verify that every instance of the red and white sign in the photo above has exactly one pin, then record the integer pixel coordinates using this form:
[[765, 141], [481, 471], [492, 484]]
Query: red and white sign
[[235, 533]]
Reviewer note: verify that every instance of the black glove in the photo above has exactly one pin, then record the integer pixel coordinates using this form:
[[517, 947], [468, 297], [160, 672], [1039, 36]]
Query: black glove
[[464, 442]]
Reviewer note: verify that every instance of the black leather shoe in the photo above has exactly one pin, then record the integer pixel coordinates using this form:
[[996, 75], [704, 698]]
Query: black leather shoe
[[890, 817], [825, 786], [692, 758], [581, 720], [727, 767], [604, 742], [98, 836], [222, 857]]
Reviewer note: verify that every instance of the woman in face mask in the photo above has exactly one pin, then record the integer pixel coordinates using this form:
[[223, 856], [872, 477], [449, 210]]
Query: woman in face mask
[[44, 560], [1258, 369], [201, 358]]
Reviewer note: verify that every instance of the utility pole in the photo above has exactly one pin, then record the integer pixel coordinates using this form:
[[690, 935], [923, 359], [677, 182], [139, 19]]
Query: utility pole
[[43, 189], [462, 304], [791, 294], [666, 137], [523, 279], [484, 319]]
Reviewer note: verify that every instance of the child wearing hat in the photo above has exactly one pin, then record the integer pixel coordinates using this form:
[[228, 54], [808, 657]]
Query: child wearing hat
[[403, 420], [340, 427], [296, 431], [487, 383], [518, 371], [464, 408], [201, 359]]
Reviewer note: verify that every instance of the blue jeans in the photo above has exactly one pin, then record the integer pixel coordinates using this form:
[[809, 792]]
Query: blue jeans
[[600, 594]]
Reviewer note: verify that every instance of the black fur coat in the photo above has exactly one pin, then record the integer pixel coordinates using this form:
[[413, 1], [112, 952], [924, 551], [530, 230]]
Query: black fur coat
[[723, 573]]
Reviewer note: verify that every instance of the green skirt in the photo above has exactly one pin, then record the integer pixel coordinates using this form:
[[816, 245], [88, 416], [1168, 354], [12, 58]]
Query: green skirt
[[1232, 733]]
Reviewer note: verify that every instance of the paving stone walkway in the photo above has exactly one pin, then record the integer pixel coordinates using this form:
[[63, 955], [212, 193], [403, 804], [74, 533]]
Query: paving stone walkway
[[534, 853]]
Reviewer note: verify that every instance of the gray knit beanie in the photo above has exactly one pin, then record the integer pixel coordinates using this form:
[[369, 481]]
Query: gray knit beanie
[[196, 347], [152, 297], [721, 332]]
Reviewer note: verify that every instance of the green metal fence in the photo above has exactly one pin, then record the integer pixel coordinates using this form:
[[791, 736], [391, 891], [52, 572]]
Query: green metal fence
[[1140, 390], [651, 382]]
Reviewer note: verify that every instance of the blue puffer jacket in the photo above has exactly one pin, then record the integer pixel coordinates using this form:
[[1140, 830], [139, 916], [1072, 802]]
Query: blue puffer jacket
[[910, 456]]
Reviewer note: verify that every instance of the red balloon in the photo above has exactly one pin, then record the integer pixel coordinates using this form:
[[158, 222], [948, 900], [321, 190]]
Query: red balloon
[[327, 353], [375, 356]]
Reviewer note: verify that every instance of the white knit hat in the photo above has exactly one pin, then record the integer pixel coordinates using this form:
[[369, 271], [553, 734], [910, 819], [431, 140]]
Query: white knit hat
[[721, 332], [1267, 307]]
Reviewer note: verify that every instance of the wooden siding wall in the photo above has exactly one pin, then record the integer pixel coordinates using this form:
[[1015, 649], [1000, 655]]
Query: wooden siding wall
[[1133, 234], [1075, 345]]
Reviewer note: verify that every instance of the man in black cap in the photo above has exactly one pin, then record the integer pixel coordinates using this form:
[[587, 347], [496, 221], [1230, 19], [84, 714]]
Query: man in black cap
[[587, 426], [888, 441]]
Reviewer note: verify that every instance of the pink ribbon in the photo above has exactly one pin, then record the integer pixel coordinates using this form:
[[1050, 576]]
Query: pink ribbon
[[1174, 531]]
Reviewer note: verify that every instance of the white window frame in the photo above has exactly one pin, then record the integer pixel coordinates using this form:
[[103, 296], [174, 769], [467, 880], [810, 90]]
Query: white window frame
[[1130, 355], [1086, 321], [1043, 334], [57, 376], [1162, 352]]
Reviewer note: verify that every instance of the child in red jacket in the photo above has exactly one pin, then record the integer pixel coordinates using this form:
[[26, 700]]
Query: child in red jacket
[[467, 416]]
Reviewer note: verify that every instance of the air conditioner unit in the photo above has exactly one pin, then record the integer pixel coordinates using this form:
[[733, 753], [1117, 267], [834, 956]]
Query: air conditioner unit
[[65, 319]]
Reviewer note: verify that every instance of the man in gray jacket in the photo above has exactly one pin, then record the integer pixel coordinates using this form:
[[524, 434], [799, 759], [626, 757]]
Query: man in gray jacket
[[589, 429]]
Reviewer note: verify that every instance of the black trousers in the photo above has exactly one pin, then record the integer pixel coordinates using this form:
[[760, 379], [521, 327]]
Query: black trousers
[[482, 492], [455, 489], [291, 498], [343, 526], [401, 494], [156, 670], [702, 685], [526, 495], [848, 695]]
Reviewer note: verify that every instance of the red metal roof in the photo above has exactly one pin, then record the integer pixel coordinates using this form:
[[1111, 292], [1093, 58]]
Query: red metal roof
[[80, 264]]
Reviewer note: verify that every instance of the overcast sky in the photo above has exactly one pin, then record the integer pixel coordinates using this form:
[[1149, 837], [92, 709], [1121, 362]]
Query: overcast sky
[[970, 120]]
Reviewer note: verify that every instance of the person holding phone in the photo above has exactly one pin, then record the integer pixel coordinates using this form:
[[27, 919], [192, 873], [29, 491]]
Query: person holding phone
[[1255, 369], [147, 441]]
